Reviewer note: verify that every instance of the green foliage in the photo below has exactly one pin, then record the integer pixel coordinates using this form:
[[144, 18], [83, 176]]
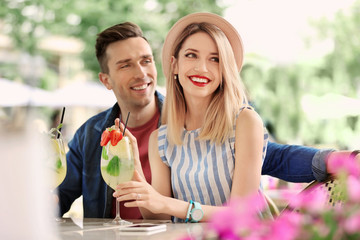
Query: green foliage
[[277, 90], [8, 70], [34, 19]]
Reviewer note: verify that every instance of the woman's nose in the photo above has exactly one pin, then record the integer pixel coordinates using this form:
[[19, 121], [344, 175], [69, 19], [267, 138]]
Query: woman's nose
[[201, 66]]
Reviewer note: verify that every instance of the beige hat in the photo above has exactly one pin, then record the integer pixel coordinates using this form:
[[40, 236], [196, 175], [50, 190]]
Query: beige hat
[[230, 32]]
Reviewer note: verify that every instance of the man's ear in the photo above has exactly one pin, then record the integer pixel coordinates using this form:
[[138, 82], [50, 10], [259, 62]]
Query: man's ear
[[174, 65], [104, 79]]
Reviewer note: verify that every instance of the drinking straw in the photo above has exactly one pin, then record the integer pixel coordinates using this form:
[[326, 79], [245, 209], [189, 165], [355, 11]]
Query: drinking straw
[[127, 118], [61, 121]]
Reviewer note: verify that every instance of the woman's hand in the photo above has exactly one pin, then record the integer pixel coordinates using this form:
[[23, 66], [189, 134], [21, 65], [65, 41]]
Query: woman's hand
[[142, 194]]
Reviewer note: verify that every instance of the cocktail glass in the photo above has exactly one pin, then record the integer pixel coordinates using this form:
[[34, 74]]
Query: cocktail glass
[[59, 162], [56, 163], [117, 166]]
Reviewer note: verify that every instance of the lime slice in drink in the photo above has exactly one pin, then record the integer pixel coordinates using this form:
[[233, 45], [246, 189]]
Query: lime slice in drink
[[119, 150]]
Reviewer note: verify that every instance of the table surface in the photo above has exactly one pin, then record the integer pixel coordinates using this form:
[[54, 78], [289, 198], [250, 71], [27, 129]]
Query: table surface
[[94, 228]]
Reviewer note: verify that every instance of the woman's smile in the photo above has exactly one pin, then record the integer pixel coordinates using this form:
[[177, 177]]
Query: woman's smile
[[199, 81]]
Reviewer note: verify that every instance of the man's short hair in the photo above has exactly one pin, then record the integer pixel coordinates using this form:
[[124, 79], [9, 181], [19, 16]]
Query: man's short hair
[[112, 34]]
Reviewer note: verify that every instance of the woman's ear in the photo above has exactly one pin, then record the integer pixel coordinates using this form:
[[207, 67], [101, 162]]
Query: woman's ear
[[174, 65]]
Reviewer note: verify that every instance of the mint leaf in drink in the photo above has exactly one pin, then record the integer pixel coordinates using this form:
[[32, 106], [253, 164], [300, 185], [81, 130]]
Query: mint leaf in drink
[[59, 126], [104, 154], [58, 163], [113, 168]]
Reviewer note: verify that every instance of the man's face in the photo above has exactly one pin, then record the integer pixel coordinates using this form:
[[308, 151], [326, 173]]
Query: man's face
[[132, 73]]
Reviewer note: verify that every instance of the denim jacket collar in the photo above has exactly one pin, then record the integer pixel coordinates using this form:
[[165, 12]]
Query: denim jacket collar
[[115, 111]]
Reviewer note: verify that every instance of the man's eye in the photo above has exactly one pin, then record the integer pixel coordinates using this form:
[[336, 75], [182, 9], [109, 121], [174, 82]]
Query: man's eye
[[124, 66], [147, 61]]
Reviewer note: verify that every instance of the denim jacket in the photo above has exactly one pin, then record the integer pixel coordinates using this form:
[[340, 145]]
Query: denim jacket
[[288, 162], [83, 175]]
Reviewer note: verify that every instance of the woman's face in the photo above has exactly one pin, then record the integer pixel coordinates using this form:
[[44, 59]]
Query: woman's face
[[198, 66]]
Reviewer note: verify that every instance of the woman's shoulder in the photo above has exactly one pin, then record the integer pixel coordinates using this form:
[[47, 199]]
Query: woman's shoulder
[[153, 136], [160, 133], [248, 116], [162, 129]]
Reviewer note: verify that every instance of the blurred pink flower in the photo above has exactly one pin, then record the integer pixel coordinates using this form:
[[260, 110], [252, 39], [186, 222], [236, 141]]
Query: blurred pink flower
[[186, 238], [353, 187], [344, 163], [285, 227], [240, 217], [312, 200], [352, 223]]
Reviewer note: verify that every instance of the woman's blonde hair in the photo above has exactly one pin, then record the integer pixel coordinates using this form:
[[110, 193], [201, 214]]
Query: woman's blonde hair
[[228, 98]]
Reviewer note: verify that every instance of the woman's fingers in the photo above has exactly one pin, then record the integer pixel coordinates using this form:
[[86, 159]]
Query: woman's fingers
[[131, 192], [128, 187], [127, 132], [117, 123], [132, 196], [139, 194], [122, 187], [138, 177]]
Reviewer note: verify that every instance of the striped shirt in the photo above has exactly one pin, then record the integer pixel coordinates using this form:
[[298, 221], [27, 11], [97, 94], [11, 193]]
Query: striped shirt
[[200, 171]]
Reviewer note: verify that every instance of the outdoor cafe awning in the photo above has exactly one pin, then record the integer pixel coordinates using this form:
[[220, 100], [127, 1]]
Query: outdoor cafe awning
[[85, 94]]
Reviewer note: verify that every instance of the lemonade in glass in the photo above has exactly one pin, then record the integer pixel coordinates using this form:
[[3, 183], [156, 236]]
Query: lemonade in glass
[[58, 159], [117, 162], [55, 161]]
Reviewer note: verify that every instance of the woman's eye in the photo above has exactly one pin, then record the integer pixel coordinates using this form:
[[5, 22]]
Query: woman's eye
[[190, 55], [215, 59]]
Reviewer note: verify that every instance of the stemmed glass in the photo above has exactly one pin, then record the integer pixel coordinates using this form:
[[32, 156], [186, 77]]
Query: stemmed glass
[[58, 161], [117, 165], [56, 158]]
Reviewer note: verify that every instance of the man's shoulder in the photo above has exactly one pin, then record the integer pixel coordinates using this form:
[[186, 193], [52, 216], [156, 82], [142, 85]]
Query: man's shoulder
[[160, 96], [99, 116], [160, 100], [97, 121]]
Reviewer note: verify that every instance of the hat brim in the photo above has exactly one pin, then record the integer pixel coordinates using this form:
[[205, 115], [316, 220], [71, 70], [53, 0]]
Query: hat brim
[[230, 32]]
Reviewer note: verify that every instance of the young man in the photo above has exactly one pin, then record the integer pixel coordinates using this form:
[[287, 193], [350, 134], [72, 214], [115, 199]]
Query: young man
[[128, 69]]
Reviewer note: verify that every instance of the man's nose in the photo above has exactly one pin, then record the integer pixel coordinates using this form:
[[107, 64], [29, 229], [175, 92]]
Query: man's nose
[[140, 71]]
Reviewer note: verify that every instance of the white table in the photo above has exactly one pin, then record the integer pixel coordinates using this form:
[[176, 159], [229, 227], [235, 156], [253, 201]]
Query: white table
[[94, 228]]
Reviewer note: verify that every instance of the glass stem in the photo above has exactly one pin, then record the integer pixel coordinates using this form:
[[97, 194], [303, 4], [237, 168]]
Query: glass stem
[[117, 210]]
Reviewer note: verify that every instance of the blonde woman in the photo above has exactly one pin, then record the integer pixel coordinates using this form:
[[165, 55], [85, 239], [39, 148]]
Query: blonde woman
[[209, 136]]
